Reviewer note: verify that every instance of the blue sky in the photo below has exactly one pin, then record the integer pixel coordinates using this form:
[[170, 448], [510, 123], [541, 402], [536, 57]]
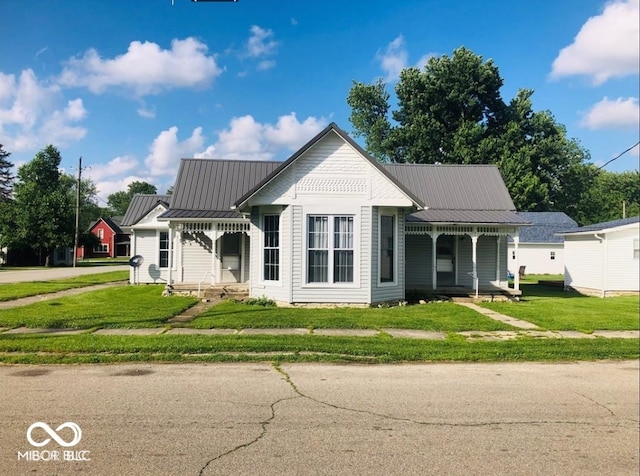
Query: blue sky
[[133, 86]]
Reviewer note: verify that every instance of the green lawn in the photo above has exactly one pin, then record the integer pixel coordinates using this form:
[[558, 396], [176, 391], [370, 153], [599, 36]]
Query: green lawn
[[122, 306], [164, 348], [11, 291], [432, 317], [555, 309]]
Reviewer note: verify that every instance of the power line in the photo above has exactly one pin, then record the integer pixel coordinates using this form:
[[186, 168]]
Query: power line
[[619, 155]]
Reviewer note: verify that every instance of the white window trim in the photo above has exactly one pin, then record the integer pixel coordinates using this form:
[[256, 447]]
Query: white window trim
[[356, 249], [271, 282], [394, 213]]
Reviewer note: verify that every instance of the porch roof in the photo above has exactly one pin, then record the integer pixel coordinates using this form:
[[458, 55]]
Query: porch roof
[[476, 217], [180, 213]]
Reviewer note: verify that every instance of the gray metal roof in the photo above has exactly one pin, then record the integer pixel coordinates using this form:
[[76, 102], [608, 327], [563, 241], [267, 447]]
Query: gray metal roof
[[207, 188], [545, 226], [603, 226], [454, 187], [212, 186], [140, 205]]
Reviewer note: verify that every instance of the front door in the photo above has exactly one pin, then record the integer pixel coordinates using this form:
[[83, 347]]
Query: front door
[[230, 258], [445, 260]]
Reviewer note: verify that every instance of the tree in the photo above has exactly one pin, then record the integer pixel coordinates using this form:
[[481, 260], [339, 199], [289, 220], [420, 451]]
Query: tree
[[6, 178], [453, 113], [41, 217], [613, 195], [119, 201]]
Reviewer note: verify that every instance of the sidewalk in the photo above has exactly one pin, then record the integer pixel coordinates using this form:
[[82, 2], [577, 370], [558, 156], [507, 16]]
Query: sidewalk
[[395, 333]]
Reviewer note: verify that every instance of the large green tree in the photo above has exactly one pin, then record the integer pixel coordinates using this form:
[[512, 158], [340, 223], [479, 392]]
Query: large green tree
[[6, 177], [613, 195], [41, 216], [452, 112], [119, 201]]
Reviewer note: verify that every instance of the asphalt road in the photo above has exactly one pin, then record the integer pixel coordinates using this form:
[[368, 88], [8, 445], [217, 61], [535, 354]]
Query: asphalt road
[[255, 419], [44, 274]]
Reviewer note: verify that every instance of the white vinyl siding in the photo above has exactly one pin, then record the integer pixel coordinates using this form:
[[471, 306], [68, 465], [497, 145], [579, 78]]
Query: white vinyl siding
[[196, 257], [418, 255], [382, 292], [147, 245], [537, 258], [583, 259]]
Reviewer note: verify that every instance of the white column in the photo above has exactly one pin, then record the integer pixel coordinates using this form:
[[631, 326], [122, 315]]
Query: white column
[[214, 253], [498, 242], [434, 268], [516, 274], [171, 258], [474, 260]]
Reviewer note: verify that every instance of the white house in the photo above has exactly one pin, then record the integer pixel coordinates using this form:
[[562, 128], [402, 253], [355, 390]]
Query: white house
[[328, 225], [603, 259], [541, 249]]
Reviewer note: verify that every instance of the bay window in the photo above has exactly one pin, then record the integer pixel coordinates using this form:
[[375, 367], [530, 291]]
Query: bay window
[[330, 242]]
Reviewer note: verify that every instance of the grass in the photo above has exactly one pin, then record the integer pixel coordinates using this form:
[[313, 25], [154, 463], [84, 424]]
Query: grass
[[555, 309], [122, 306], [382, 349], [431, 317], [19, 290]]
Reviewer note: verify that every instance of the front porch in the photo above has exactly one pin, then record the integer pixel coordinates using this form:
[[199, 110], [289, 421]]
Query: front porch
[[459, 259]]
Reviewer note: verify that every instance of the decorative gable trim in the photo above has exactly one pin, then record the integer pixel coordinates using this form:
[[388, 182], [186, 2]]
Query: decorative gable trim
[[335, 181]]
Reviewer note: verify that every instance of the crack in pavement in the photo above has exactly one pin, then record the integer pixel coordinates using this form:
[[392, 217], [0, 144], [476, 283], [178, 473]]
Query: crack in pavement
[[425, 423], [299, 394], [263, 424]]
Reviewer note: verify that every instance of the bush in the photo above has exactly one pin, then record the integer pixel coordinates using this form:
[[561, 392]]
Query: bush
[[263, 301]]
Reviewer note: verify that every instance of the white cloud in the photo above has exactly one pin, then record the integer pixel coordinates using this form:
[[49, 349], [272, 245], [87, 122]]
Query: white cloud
[[393, 59], [146, 112], [290, 133], [261, 42], [114, 167], [242, 141], [607, 45], [619, 113], [247, 139], [31, 114], [166, 150], [265, 65], [107, 187], [144, 69]]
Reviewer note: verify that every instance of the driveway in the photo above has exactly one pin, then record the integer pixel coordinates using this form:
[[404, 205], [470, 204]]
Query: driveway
[[298, 419], [45, 274]]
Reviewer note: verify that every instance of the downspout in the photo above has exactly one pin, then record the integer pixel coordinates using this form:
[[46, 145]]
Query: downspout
[[604, 263]]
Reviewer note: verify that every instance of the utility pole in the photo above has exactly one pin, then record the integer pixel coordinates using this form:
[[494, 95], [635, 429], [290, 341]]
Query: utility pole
[[77, 229]]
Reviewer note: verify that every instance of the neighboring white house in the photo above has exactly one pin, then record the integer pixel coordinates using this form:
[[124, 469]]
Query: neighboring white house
[[541, 249], [328, 225], [603, 259], [149, 237]]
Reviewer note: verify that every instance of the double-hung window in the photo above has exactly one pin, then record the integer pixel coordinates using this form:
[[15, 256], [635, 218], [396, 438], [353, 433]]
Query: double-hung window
[[330, 242], [387, 248], [271, 247], [164, 249]]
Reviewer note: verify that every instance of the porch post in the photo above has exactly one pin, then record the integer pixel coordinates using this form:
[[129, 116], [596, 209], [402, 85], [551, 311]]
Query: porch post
[[498, 242], [214, 253], [474, 259], [434, 265], [171, 257], [516, 274]]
